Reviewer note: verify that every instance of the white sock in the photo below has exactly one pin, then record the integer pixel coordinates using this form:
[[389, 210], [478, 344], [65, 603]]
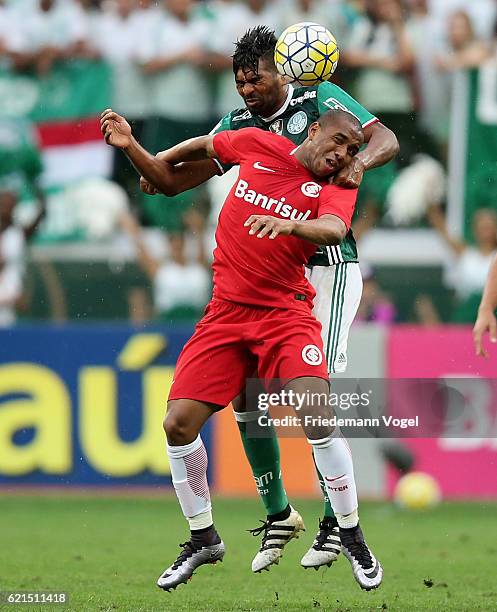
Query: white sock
[[189, 475], [334, 461]]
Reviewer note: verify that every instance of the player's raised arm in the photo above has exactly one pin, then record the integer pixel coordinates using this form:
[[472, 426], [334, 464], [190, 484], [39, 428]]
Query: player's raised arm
[[185, 176], [381, 146], [168, 177], [486, 320], [381, 143]]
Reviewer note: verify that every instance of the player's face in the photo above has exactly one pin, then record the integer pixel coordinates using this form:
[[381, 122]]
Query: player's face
[[263, 91], [333, 146]]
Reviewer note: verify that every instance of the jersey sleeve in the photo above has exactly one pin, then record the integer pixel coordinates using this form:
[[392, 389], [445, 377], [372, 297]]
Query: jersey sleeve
[[221, 126], [338, 201], [232, 146], [330, 96]]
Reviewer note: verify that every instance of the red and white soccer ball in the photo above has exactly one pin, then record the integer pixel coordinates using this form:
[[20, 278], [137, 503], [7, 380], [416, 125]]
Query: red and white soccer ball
[[307, 53]]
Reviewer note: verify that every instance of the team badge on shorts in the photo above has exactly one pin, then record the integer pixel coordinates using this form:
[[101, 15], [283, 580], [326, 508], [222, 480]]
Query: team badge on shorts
[[297, 123], [312, 355]]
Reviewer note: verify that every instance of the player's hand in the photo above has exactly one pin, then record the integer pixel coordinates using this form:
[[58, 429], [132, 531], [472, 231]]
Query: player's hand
[[115, 129], [147, 187], [350, 177], [262, 225], [486, 321]]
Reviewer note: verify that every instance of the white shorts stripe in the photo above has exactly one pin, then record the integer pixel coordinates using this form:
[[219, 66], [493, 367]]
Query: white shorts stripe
[[327, 307]]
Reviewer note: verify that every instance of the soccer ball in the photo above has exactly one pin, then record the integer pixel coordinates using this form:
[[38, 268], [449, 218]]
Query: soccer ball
[[306, 52], [417, 491]]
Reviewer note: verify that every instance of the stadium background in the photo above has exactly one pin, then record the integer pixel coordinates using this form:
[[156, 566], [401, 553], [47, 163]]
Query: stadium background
[[126, 290]]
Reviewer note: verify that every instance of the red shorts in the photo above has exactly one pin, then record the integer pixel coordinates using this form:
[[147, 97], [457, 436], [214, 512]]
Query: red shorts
[[233, 342]]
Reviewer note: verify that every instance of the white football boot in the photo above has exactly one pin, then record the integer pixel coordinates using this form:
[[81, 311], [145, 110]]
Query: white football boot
[[366, 569], [326, 546], [191, 557], [276, 536]]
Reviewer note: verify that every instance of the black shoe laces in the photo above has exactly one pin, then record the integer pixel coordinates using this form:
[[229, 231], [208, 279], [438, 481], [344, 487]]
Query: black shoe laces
[[325, 530], [265, 527], [357, 547], [186, 553]]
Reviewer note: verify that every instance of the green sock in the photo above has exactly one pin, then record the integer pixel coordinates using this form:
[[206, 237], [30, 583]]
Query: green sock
[[263, 454], [328, 510]]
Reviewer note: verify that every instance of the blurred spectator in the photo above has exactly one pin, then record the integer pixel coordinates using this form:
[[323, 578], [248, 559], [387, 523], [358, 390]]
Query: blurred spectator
[[10, 293], [425, 311], [466, 50], [140, 311], [12, 251], [119, 34], [471, 263], [379, 48], [20, 158], [11, 38], [181, 288], [228, 20], [173, 58], [482, 13], [427, 37], [375, 305], [334, 15], [52, 29], [12, 237], [265, 12], [88, 14]]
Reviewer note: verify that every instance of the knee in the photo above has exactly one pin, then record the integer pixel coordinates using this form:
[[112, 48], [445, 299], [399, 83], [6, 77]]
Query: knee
[[177, 428], [318, 427], [318, 423], [319, 432]]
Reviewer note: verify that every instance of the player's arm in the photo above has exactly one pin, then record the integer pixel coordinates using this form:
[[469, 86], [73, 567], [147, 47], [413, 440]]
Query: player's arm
[[191, 174], [159, 172], [181, 177], [326, 230], [336, 207], [486, 320], [381, 143], [381, 146]]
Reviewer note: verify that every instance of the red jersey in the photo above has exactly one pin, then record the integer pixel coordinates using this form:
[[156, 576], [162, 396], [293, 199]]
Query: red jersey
[[271, 181]]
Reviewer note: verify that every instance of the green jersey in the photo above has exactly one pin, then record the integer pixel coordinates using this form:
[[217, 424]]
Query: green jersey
[[302, 107]]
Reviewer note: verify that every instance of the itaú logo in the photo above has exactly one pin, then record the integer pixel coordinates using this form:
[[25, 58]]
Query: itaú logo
[[279, 207]]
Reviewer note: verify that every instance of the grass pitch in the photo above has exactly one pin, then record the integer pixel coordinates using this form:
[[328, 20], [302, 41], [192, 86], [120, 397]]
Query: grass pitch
[[107, 553]]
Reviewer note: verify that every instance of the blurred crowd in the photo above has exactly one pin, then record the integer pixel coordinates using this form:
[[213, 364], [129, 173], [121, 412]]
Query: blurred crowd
[[172, 79]]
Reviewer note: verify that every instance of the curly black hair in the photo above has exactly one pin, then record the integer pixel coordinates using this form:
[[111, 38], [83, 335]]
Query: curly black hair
[[256, 44]]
